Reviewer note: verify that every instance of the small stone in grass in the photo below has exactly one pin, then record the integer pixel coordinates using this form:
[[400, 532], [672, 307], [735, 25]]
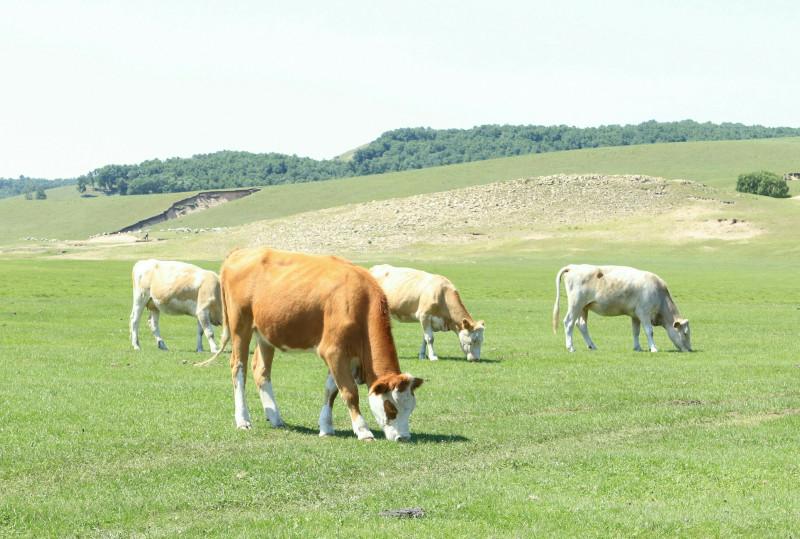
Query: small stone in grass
[[411, 512]]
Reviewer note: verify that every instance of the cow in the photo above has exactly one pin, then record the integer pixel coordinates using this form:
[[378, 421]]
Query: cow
[[617, 290], [433, 301], [175, 288], [294, 301]]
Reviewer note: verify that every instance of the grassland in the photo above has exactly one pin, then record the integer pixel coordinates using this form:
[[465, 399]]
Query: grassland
[[67, 216], [96, 440]]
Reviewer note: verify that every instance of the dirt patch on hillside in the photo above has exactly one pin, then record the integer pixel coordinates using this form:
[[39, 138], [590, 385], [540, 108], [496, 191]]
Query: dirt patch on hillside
[[199, 202], [539, 208]]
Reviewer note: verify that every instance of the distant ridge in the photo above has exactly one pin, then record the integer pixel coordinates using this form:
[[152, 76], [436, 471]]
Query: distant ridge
[[401, 149]]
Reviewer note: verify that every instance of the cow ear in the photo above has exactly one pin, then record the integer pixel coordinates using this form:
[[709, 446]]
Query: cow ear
[[676, 324], [481, 324], [416, 383], [379, 388], [403, 385], [466, 325]]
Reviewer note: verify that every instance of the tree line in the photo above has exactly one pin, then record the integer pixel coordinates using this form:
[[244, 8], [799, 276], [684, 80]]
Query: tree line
[[29, 187], [400, 149]]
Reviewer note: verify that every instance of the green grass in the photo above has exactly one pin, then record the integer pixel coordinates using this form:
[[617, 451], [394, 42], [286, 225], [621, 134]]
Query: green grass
[[65, 215], [96, 440]]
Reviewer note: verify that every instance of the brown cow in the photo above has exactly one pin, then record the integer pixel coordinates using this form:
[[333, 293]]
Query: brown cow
[[295, 301]]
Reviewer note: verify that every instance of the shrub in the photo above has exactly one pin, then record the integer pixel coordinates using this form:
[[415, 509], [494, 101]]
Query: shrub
[[763, 183]]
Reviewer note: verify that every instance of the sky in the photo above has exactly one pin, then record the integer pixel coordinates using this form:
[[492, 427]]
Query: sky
[[88, 83]]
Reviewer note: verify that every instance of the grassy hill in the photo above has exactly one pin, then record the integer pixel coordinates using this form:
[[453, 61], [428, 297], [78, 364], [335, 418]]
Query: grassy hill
[[65, 215], [714, 163]]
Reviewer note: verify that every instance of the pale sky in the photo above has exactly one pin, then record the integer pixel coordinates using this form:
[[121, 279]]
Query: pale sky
[[84, 84]]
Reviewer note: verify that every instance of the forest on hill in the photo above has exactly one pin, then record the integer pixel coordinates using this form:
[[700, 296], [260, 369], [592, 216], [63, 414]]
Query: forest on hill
[[400, 149], [30, 187]]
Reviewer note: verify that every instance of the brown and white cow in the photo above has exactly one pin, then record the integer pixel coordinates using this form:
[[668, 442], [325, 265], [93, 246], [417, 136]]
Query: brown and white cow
[[294, 301], [175, 288], [433, 301], [618, 290]]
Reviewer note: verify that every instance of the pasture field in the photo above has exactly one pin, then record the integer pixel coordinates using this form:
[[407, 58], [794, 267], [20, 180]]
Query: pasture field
[[65, 215], [96, 440]]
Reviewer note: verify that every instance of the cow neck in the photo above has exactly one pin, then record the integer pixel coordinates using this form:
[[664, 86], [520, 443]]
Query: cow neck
[[669, 311], [382, 350], [458, 313]]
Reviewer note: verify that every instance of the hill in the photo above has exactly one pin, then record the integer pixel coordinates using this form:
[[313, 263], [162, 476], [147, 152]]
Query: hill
[[398, 150], [65, 215]]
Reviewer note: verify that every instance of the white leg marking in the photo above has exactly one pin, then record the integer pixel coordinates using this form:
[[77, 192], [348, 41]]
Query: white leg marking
[[361, 429], [326, 414], [241, 414], [326, 421], [270, 406]]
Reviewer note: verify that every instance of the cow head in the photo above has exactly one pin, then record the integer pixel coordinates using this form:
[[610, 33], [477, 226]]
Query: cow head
[[681, 334], [471, 338], [391, 399]]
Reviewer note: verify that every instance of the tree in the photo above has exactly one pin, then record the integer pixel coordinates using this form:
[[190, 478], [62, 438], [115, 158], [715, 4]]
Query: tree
[[764, 183], [40, 194]]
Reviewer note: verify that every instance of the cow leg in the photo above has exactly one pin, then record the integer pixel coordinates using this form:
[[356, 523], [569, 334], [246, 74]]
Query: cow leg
[[427, 332], [199, 347], [648, 331], [583, 326], [339, 365], [262, 376], [239, 348], [139, 303], [636, 325], [153, 321], [326, 414], [204, 327], [569, 326]]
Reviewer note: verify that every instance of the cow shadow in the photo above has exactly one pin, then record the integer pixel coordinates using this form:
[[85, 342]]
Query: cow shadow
[[416, 438], [461, 359]]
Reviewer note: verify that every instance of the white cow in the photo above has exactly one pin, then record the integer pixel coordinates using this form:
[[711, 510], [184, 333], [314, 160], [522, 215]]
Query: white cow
[[433, 301], [175, 288], [617, 290]]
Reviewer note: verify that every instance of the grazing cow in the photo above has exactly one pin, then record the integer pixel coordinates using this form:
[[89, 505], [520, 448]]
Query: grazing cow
[[175, 288], [617, 290], [433, 301], [300, 302]]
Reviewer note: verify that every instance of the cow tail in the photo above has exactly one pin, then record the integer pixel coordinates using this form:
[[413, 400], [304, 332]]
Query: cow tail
[[226, 334], [556, 307]]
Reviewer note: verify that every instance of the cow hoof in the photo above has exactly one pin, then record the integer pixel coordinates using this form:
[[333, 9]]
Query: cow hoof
[[279, 424], [421, 356], [637, 349], [434, 358], [654, 349], [323, 434], [244, 425], [370, 439], [162, 345], [570, 349], [199, 350], [136, 348]]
